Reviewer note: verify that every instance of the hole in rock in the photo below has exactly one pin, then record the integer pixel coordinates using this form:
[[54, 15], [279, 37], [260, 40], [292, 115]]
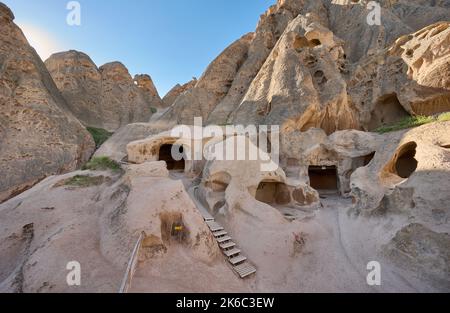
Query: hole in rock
[[323, 178], [406, 163], [315, 42], [300, 43], [173, 228], [273, 193], [165, 154], [388, 110], [368, 158]]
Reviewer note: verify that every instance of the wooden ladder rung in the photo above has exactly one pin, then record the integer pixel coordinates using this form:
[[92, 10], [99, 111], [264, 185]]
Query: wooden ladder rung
[[227, 245], [232, 252], [223, 239], [237, 260], [220, 233], [245, 269]]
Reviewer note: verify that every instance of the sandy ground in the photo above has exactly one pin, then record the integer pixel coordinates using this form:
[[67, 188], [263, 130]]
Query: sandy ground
[[161, 275], [331, 260], [332, 255]]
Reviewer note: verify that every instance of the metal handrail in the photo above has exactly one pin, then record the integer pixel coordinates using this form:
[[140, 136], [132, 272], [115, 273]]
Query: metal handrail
[[131, 267]]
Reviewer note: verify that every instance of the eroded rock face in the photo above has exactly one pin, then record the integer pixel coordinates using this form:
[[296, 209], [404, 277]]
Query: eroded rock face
[[38, 235], [212, 87], [300, 86], [106, 97], [145, 83], [116, 146], [176, 91], [408, 174], [411, 77], [38, 135], [320, 64], [416, 247]]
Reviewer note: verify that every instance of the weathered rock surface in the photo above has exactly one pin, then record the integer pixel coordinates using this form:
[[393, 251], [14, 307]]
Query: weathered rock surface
[[411, 77], [98, 225], [339, 198], [151, 95], [38, 135], [320, 64], [116, 146], [176, 91], [106, 97]]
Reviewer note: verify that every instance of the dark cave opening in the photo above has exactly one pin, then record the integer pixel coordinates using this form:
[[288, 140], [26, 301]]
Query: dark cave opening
[[165, 154], [273, 193], [406, 163], [323, 178], [388, 110]]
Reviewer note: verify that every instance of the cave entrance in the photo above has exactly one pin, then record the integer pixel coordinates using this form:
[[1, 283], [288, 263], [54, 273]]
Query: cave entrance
[[388, 110], [324, 178], [273, 193], [165, 154]]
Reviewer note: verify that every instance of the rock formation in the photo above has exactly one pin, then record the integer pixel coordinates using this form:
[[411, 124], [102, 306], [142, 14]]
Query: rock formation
[[151, 95], [106, 97], [38, 135], [320, 64], [99, 231], [176, 91], [320, 198]]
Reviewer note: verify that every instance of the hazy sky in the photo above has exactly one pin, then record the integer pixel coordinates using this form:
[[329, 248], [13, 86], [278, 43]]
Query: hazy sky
[[172, 40]]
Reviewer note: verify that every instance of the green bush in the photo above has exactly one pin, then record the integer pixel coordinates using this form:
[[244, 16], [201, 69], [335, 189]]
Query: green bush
[[102, 164], [154, 110], [99, 135]]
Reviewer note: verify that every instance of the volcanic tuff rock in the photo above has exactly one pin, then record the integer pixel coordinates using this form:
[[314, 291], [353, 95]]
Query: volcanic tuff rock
[[320, 64], [38, 135], [106, 97], [151, 95], [98, 225], [176, 91]]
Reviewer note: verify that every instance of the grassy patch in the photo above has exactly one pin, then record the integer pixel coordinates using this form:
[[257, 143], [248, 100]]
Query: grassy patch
[[444, 117], [82, 181], [99, 135], [413, 121], [102, 164]]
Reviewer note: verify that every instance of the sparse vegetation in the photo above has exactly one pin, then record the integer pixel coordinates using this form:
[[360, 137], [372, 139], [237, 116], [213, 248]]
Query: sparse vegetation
[[100, 135], [413, 121], [82, 181], [102, 164], [444, 117]]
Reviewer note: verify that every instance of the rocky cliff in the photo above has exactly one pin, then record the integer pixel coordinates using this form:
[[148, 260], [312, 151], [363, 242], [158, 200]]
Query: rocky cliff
[[321, 64], [38, 135], [176, 91], [106, 97]]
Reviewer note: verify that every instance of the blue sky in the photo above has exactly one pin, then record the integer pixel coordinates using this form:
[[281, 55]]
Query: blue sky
[[172, 40]]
